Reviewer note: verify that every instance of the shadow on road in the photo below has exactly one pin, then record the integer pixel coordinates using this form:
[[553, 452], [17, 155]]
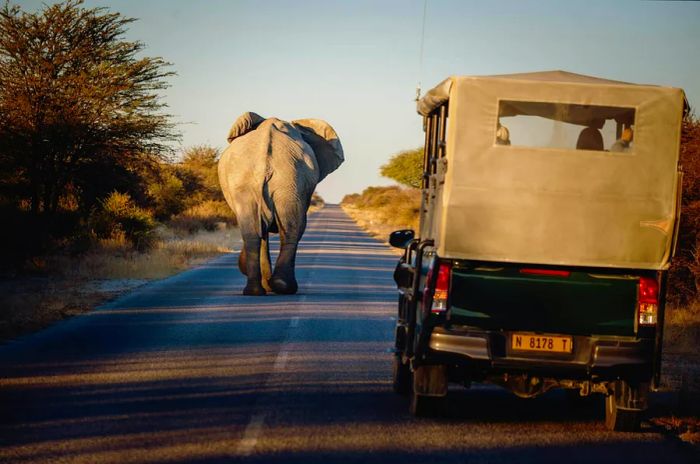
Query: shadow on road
[[179, 370]]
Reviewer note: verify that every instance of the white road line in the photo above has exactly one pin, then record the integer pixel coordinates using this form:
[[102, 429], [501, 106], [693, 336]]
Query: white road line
[[294, 322], [251, 434], [281, 360]]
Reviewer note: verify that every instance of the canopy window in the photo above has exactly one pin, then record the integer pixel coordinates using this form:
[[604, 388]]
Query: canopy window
[[565, 126]]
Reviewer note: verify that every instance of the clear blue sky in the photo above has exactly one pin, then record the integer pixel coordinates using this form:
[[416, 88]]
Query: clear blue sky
[[356, 63]]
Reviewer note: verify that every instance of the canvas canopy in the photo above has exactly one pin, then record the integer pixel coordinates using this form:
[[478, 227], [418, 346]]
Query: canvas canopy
[[544, 197]]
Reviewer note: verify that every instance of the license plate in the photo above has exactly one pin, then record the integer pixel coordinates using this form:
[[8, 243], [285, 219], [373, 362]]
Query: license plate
[[541, 343]]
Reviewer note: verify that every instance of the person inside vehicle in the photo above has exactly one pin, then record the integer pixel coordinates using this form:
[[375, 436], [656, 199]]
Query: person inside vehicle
[[590, 138], [623, 144], [502, 135]]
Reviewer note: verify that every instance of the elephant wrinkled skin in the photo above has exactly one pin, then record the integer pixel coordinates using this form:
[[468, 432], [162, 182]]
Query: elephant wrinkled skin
[[268, 173]]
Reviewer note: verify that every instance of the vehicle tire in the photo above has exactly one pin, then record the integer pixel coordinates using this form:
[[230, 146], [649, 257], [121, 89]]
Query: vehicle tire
[[625, 406], [401, 376]]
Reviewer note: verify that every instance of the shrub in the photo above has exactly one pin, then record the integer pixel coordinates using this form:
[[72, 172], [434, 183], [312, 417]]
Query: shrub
[[119, 218], [167, 192], [317, 201], [393, 207], [684, 276], [201, 161], [175, 187], [207, 215], [351, 199]]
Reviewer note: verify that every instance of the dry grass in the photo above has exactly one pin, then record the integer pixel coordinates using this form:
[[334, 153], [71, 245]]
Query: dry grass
[[382, 210], [64, 286], [209, 215], [682, 329], [686, 429], [67, 285], [114, 259], [681, 371]]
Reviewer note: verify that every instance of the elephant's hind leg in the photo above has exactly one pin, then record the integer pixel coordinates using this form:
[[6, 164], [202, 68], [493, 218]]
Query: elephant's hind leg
[[242, 266], [249, 259], [252, 262], [292, 222], [283, 280], [265, 270]]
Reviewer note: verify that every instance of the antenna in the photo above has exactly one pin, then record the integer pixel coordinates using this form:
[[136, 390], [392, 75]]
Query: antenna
[[420, 55]]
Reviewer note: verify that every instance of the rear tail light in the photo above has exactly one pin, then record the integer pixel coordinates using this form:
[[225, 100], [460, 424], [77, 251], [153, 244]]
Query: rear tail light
[[648, 301], [442, 288]]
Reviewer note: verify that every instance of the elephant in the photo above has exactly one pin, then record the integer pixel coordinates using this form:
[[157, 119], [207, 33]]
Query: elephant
[[267, 174]]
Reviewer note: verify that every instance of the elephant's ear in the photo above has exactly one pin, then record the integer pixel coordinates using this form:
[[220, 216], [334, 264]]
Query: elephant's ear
[[244, 124], [324, 142]]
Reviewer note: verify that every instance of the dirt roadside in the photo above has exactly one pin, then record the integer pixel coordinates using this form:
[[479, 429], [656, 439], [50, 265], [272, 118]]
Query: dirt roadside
[[62, 286]]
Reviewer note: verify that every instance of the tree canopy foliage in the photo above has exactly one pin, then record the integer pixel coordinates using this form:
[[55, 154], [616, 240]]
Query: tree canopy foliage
[[79, 108], [80, 111], [405, 167]]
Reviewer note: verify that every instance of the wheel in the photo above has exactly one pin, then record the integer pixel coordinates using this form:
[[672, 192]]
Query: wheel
[[401, 376], [619, 419], [625, 406]]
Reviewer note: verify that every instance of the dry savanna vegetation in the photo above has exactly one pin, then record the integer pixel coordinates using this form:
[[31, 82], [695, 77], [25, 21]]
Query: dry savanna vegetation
[[123, 246], [382, 210], [93, 197]]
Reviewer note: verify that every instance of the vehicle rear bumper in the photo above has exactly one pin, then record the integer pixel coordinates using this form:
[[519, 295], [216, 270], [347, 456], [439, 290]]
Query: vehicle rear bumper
[[593, 357]]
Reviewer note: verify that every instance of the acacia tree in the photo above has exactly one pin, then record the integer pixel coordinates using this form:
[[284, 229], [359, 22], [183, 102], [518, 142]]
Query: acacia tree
[[405, 167], [80, 110]]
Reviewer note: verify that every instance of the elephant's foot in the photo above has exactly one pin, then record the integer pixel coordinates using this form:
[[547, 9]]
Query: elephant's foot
[[284, 286], [254, 289]]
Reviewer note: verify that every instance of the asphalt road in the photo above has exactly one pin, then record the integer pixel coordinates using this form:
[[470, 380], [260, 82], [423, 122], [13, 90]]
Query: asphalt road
[[189, 370]]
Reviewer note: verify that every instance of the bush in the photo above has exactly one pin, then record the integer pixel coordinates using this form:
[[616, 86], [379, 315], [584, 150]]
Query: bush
[[316, 201], [684, 276], [176, 187], [20, 236], [393, 207], [119, 218], [207, 215], [201, 162], [168, 194]]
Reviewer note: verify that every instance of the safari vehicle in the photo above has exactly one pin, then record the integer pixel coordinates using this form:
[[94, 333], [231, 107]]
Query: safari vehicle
[[550, 209]]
